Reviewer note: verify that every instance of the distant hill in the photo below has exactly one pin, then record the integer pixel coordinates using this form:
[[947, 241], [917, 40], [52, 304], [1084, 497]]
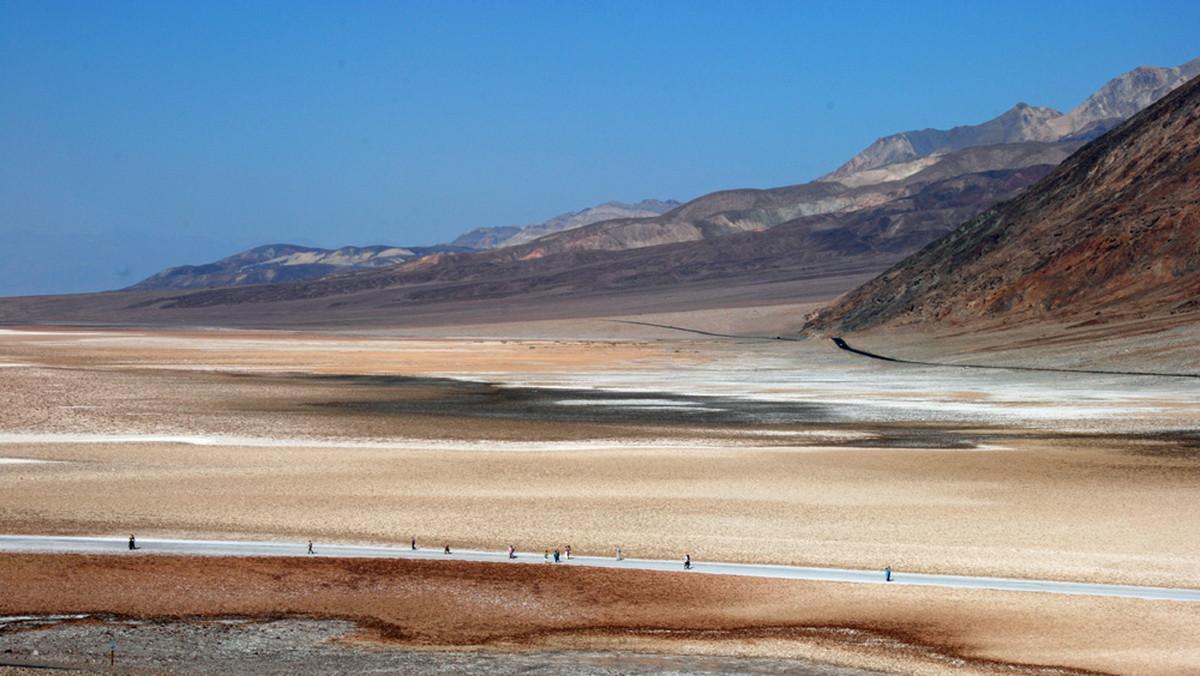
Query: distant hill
[[1116, 101], [729, 212], [1111, 237], [277, 263], [496, 238]]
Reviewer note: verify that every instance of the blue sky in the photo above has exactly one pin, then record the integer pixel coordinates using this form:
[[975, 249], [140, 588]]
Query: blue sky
[[136, 136]]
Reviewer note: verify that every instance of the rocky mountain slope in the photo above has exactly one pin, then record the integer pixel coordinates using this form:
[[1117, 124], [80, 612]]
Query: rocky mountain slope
[[1112, 235], [1120, 98]]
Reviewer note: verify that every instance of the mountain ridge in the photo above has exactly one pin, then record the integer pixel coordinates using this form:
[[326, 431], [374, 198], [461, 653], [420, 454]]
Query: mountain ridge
[[499, 237], [1118, 99]]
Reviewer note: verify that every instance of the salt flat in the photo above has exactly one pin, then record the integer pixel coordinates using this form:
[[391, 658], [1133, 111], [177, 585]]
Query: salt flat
[[741, 451]]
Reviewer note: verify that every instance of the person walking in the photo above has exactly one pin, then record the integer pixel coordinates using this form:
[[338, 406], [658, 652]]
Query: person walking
[[512, 553], [447, 547], [568, 552], [887, 574], [556, 555], [132, 544], [687, 561], [414, 543], [619, 557], [310, 551]]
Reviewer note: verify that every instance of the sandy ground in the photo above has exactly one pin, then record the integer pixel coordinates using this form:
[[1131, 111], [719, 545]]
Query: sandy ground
[[762, 451]]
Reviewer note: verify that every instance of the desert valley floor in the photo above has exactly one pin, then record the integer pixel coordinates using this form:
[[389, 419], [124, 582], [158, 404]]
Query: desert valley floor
[[665, 444]]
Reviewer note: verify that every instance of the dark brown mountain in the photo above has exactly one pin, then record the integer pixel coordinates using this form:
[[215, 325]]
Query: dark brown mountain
[[1111, 237]]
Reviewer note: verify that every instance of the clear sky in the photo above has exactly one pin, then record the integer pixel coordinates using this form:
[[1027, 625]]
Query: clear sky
[[136, 136]]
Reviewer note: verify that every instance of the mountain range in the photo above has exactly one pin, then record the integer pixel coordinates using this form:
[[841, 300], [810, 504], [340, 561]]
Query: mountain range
[[901, 183], [807, 242]]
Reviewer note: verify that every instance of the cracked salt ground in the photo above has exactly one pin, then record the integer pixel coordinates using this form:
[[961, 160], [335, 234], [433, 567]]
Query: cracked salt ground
[[887, 392]]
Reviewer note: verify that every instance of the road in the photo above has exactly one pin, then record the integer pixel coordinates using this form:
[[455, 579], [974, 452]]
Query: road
[[843, 345], [118, 546]]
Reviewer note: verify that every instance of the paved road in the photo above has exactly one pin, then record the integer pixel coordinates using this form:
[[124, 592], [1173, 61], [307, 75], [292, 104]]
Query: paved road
[[842, 344], [99, 545]]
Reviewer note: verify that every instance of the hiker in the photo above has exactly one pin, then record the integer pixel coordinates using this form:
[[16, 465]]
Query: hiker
[[556, 555], [887, 574], [512, 553], [546, 556], [568, 552], [687, 561], [414, 543], [447, 548], [132, 545], [310, 551], [619, 557]]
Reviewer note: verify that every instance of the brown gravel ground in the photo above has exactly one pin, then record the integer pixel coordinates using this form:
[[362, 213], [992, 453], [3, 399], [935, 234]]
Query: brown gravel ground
[[519, 608], [356, 455]]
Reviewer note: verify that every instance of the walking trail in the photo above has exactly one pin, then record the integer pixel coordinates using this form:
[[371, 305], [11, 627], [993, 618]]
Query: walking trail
[[119, 546]]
